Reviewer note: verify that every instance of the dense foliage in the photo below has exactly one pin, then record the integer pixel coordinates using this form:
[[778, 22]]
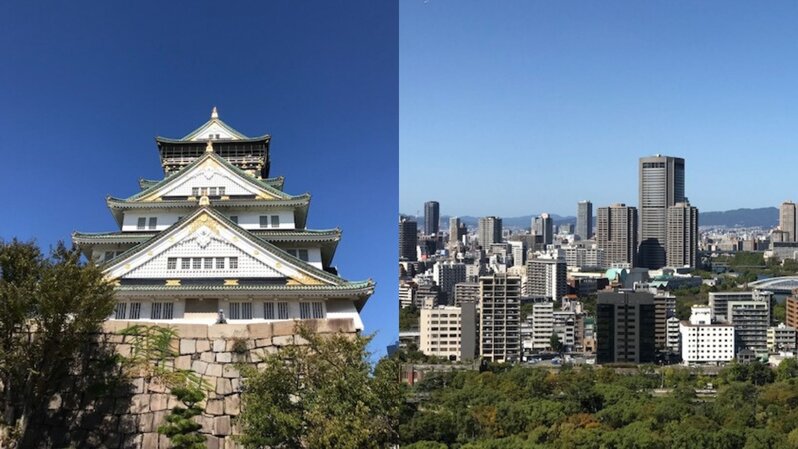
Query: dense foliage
[[585, 408], [50, 307], [321, 394]]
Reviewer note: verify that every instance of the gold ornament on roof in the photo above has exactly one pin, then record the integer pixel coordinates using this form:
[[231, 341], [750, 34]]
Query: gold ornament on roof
[[209, 147]]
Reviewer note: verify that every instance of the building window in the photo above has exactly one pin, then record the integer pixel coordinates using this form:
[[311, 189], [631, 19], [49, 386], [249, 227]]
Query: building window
[[135, 311], [318, 310], [185, 263], [308, 310], [304, 310], [121, 309], [196, 263], [275, 221], [220, 263], [264, 221], [208, 263], [268, 310], [162, 311], [282, 310], [301, 254], [212, 191], [153, 222], [171, 263], [195, 191], [142, 223], [240, 310], [234, 263], [221, 191]]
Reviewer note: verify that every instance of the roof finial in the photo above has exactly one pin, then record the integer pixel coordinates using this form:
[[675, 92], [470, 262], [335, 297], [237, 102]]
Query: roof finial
[[204, 201], [209, 147], [214, 113]]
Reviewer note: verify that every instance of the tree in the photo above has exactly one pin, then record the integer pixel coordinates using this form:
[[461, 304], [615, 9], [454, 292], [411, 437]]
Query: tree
[[555, 343], [50, 311], [323, 394]]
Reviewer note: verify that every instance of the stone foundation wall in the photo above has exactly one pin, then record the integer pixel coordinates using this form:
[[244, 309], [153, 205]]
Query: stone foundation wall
[[128, 417]]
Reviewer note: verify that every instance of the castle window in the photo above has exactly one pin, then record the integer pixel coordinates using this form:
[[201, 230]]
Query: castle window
[[282, 310], [221, 191], [171, 263], [208, 263], [275, 221], [185, 263], [234, 263], [142, 223], [264, 221], [220, 263], [268, 310], [196, 263], [240, 310], [153, 222], [162, 311], [195, 191], [135, 311], [121, 309]]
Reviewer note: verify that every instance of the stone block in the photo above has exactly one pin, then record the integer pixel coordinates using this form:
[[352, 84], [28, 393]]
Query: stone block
[[149, 441], [159, 402], [140, 403], [231, 372], [232, 405], [235, 384], [283, 340], [299, 340], [156, 386], [223, 386], [282, 328], [215, 407], [207, 357], [213, 442], [138, 385], [224, 357], [183, 362], [203, 345], [163, 442], [227, 330], [263, 342], [259, 330], [199, 367], [132, 441], [128, 423], [214, 370], [221, 426], [123, 349], [188, 346], [219, 345], [191, 330], [206, 422], [146, 423]]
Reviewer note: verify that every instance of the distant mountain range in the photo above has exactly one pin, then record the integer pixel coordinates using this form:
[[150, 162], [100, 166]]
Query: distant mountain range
[[765, 217]]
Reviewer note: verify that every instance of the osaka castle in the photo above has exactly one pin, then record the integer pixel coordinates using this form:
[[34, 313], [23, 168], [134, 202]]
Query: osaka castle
[[218, 240]]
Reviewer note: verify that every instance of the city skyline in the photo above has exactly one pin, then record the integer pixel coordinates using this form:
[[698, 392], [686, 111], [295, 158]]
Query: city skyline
[[596, 88]]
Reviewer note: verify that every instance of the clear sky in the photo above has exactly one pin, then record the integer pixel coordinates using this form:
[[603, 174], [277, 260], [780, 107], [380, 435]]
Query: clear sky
[[84, 91], [517, 107]]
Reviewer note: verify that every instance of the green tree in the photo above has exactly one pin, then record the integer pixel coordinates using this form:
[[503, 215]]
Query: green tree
[[50, 310], [408, 318], [323, 394], [555, 343]]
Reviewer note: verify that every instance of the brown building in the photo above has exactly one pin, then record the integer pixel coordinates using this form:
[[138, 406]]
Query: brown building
[[792, 311]]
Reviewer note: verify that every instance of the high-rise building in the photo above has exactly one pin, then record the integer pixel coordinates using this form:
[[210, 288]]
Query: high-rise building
[[616, 234], [519, 252], [751, 320], [661, 186], [408, 240], [446, 275], [584, 220], [500, 318], [466, 292], [546, 277], [703, 341], [215, 226], [625, 324], [682, 241], [664, 308], [431, 217], [456, 230], [781, 338], [791, 318], [787, 221], [544, 226], [490, 231], [448, 331], [719, 302], [542, 322]]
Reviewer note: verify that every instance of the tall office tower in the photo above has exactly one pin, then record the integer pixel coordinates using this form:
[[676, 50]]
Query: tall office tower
[[661, 186], [500, 318], [454, 230], [625, 327], [490, 231], [584, 220], [546, 277], [446, 275], [544, 226], [791, 318], [616, 234], [432, 217], [682, 241], [751, 320], [787, 221], [408, 239]]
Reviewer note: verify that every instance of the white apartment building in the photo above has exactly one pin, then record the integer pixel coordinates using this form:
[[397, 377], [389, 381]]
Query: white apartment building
[[781, 338], [441, 332], [705, 342]]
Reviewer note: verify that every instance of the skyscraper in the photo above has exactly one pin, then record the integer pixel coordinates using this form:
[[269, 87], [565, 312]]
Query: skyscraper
[[661, 186], [616, 234], [500, 318], [584, 220], [544, 226], [431, 217], [546, 277], [787, 220], [408, 239], [490, 231], [456, 230], [682, 242], [625, 327]]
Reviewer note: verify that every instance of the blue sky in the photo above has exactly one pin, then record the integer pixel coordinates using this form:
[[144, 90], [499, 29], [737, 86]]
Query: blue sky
[[84, 91], [518, 107]]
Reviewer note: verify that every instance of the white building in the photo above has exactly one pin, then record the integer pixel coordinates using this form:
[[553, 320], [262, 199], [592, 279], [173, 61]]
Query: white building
[[705, 342], [542, 321], [672, 343], [217, 238], [781, 338], [407, 294], [441, 332]]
